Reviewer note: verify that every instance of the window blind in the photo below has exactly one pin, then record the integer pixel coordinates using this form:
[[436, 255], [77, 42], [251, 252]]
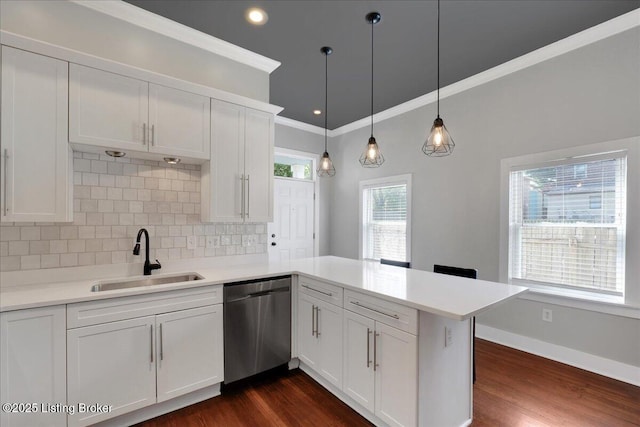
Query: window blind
[[567, 224], [385, 222]]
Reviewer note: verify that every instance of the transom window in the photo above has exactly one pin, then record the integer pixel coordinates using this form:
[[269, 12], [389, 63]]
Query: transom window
[[567, 223], [385, 206]]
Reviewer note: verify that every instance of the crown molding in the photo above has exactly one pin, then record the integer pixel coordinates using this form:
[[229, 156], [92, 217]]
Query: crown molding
[[590, 35], [161, 25], [302, 126]]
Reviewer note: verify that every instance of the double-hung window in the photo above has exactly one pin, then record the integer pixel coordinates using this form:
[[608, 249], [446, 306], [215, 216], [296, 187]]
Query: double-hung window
[[567, 223], [385, 220]]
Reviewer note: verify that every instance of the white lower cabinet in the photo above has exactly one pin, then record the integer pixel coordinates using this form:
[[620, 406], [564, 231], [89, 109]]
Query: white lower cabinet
[[33, 366], [320, 337], [381, 369], [133, 363]]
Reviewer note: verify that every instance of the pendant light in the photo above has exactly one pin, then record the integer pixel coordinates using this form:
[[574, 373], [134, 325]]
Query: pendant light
[[372, 157], [439, 142], [326, 165]]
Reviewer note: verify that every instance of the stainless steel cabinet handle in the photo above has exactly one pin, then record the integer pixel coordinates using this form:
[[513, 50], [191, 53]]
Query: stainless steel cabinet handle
[[375, 350], [368, 347], [153, 134], [161, 346], [329, 294], [313, 321], [144, 133], [317, 322], [242, 196], [6, 166], [248, 195], [151, 339], [393, 316]]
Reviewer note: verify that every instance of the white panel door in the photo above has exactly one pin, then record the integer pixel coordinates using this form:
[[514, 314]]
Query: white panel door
[[329, 328], [190, 350], [107, 109], [396, 391], [33, 364], [36, 176], [258, 164], [223, 176], [112, 364], [180, 122], [307, 343], [359, 378], [292, 229]]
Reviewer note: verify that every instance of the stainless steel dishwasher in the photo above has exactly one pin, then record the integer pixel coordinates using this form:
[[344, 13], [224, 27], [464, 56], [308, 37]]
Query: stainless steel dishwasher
[[257, 326]]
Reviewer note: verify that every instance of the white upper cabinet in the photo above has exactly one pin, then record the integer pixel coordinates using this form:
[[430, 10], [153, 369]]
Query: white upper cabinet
[[116, 112], [237, 184], [36, 168]]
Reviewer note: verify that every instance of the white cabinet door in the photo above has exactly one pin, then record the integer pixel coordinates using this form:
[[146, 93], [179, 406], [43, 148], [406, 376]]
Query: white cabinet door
[[329, 335], [307, 342], [189, 350], [359, 378], [112, 364], [33, 364], [397, 370], [107, 109], [258, 165], [223, 177], [180, 123], [36, 175]]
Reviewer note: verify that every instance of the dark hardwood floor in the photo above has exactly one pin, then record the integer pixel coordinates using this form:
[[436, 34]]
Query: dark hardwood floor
[[513, 389]]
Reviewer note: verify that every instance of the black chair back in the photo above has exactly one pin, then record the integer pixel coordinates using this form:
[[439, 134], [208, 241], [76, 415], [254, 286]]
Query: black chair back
[[470, 273], [405, 264]]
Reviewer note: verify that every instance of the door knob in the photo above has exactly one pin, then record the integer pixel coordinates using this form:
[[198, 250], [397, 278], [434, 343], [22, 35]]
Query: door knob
[[273, 235], [273, 243]]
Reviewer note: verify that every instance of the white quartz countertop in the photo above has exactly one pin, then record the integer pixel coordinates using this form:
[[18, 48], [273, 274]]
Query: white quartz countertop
[[449, 296]]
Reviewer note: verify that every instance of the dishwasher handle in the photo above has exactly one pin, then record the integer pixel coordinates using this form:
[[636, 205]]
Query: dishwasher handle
[[260, 294]]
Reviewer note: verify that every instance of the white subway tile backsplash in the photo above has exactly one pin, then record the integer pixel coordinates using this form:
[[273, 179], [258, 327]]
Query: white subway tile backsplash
[[113, 199]]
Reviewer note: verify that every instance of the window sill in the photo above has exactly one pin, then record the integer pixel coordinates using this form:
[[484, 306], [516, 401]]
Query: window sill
[[607, 304]]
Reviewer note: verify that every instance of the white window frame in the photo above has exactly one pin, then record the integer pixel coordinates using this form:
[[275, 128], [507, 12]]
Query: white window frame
[[629, 303], [404, 179]]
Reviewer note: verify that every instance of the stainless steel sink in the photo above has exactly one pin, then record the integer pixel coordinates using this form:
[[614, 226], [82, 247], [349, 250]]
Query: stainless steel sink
[[147, 281]]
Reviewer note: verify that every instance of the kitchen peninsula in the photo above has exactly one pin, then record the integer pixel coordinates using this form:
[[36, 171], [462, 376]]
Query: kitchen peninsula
[[400, 341]]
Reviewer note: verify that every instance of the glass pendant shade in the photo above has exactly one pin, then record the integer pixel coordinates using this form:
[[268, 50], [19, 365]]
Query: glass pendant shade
[[372, 157], [326, 166], [439, 142]]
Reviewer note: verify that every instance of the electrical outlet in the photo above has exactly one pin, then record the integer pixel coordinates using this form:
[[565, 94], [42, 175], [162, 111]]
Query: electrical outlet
[[210, 243], [448, 336], [191, 242], [547, 315]]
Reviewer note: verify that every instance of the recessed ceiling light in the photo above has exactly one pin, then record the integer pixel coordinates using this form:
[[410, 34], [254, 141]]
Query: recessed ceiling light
[[317, 112], [256, 16], [116, 153], [172, 160]]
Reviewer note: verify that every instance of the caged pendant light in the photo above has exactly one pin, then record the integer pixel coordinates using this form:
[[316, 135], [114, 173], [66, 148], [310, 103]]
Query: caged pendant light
[[326, 167], [439, 142], [372, 157]]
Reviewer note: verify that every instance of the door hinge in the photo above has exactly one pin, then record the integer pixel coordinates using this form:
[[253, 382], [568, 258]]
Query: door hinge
[[314, 196], [314, 235]]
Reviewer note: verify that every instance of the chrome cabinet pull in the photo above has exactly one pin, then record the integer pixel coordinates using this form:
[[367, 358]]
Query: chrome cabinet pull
[[393, 316], [242, 196], [144, 133], [151, 339], [375, 350], [161, 344], [153, 134], [368, 347], [313, 321], [6, 166], [329, 294], [248, 195], [317, 322]]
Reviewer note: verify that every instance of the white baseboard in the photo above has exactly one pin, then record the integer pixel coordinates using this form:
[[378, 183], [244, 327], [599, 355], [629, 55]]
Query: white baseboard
[[589, 362]]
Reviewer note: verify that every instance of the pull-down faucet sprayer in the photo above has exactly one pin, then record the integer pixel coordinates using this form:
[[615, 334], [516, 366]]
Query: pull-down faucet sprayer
[[148, 267]]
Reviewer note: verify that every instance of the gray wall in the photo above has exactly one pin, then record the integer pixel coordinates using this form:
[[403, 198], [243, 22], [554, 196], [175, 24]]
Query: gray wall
[[587, 96], [76, 27], [296, 139]]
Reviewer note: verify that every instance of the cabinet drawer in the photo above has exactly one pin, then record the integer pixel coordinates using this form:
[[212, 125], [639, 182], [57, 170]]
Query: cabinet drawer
[[114, 309], [387, 312], [321, 290]]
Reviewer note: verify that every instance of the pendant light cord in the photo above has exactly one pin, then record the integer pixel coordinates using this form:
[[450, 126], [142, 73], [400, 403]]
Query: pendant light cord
[[438, 54], [326, 85], [372, 24]]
